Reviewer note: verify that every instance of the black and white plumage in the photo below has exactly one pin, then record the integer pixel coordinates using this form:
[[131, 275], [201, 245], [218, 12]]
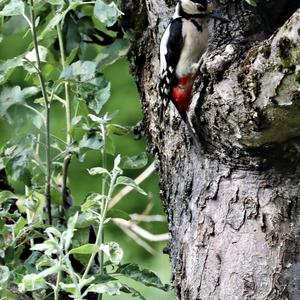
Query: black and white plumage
[[182, 46]]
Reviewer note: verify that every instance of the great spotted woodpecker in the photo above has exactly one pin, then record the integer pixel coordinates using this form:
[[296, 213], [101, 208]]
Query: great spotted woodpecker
[[182, 46]]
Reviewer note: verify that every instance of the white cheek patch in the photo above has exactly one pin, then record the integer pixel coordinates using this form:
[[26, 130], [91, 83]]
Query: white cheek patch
[[189, 7]]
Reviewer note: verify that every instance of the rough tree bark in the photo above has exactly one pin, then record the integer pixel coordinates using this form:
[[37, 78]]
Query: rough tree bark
[[233, 208]]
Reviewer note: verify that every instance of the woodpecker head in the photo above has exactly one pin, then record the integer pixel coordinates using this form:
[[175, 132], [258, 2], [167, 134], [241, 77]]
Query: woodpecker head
[[195, 7], [199, 8]]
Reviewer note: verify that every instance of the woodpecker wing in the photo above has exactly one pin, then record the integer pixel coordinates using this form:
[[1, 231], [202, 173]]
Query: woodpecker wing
[[170, 50]]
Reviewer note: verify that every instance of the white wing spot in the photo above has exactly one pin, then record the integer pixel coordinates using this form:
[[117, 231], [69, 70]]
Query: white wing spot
[[164, 50]]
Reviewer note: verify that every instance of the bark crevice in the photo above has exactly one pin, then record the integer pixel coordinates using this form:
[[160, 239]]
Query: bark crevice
[[233, 208]]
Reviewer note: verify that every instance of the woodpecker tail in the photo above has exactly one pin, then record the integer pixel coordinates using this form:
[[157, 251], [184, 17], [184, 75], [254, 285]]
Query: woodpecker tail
[[191, 130]]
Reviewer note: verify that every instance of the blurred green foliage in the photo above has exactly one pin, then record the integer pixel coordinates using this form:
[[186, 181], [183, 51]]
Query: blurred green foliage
[[125, 100]]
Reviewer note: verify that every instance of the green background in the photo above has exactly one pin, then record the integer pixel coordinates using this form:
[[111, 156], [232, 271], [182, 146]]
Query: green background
[[125, 100]]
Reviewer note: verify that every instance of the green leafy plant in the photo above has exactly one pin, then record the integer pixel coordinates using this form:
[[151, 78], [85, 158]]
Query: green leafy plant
[[56, 259]]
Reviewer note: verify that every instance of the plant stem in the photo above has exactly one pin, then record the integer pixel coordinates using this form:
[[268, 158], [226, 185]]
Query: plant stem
[[47, 108], [68, 157], [28, 214], [71, 272], [101, 255], [100, 228], [56, 290]]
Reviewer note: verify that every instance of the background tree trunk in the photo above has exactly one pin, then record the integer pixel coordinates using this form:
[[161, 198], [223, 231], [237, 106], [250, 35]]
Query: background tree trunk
[[233, 207]]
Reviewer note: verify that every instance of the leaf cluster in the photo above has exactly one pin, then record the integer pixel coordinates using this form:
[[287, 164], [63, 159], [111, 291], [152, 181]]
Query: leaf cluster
[[56, 258]]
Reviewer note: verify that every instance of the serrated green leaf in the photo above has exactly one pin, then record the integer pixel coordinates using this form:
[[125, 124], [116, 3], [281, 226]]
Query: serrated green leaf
[[76, 120], [13, 8], [113, 251], [17, 155], [108, 14], [9, 97], [134, 162], [49, 271], [44, 261], [98, 171], [111, 288], [117, 129], [134, 293], [96, 119], [87, 281], [55, 20], [8, 66], [92, 200], [116, 253], [118, 213], [20, 224], [123, 180], [102, 278], [110, 54], [85, 220], [19, 273], [32, 259], [31, 282], [68, 287], [34, 201], [81, 236], [95, 92], [7, 195], [68, 234], [91, 141], [101, 96], [85, 249], [145, 276], [53, 232], [31, 56], [14, 25], [6, 294], [30, 91], [4, 276], [83, 70], [49, 247]]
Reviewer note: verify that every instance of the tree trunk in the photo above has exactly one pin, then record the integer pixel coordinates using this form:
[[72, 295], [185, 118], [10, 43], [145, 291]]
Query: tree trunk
[[233, 207]]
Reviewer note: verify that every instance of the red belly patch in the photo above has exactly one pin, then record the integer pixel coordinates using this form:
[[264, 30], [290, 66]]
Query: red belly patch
[[182, 93]]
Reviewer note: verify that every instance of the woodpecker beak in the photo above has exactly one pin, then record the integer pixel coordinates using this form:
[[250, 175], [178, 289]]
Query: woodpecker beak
[[200, 7], [218, 16]]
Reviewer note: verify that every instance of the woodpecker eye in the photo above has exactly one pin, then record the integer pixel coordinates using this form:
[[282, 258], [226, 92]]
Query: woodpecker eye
[[201, 4]]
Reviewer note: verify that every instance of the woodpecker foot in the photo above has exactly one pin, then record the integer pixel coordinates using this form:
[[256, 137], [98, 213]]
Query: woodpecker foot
[[195, 68], [202, 64]]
